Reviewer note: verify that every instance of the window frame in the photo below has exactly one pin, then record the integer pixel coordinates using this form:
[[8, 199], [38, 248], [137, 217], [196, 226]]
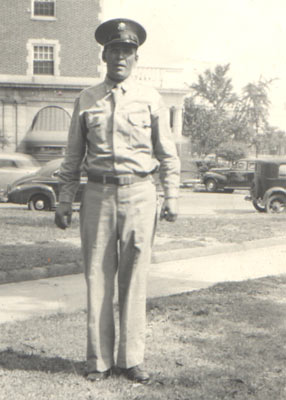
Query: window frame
[[6, 164], [43, 17], [45, 59], [241, 165], [282, 171], [30, 56]]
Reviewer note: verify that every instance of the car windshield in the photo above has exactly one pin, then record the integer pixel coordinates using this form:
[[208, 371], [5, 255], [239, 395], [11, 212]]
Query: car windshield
[[241, 165], [282, 170], [27, 163]]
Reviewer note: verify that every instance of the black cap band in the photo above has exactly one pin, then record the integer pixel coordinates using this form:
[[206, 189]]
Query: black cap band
[[120, 30]]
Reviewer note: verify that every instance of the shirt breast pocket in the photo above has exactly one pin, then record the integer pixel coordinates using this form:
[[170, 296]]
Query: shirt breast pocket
[[96, 123], [140, 119], [140, 128], [94, 118]]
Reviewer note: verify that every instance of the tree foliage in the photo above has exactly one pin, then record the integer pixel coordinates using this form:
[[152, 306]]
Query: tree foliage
[[215, 115], [215, 88], [209, 110], [275, 141], [232, 150], [255, 111], [256, 104], [207, 127]]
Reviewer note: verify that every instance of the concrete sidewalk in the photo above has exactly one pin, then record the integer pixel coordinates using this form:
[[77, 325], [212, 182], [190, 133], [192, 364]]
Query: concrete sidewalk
[[201, 269]]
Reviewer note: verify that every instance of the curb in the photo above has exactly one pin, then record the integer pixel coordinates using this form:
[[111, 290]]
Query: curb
[[183, 254], [158, 257], [49, 271]]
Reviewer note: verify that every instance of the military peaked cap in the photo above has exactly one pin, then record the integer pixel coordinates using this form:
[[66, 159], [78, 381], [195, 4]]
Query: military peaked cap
[[120, 30]]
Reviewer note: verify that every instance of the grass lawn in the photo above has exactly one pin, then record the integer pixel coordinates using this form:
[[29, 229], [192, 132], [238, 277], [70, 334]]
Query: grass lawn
[[224, 342], [31, 239]]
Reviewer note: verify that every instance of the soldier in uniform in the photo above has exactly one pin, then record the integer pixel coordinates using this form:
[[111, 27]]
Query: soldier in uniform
[[119, 134]]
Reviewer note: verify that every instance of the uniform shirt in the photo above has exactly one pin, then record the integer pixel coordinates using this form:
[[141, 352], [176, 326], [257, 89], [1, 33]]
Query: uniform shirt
[[126, 132]]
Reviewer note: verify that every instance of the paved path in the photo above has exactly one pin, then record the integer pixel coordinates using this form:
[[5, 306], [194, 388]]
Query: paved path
[[24, 300]]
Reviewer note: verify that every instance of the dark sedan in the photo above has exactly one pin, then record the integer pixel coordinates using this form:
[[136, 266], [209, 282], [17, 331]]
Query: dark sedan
[[40, 190], [239, 176]]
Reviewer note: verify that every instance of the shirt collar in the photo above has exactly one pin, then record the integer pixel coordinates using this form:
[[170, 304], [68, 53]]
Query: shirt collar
[[125, 85]]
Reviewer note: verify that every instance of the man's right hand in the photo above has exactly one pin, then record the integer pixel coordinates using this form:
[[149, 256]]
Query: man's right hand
[[63, 215]]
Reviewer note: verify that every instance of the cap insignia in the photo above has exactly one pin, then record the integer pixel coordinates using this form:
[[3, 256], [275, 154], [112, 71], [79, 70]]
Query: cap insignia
[[121, 26]]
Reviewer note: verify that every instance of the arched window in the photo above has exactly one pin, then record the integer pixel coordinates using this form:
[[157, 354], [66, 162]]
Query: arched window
[[47, 137], [51, 118]]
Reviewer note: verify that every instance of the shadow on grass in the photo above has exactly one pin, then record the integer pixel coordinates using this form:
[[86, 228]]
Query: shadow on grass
[[15, 360]]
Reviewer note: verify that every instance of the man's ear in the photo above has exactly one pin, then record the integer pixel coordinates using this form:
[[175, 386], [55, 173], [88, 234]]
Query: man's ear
[[136, 57], [104, 56]]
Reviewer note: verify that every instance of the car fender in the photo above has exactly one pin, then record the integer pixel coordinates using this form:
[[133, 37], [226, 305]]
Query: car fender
[[274, 190], [219, 178], [22, 194]]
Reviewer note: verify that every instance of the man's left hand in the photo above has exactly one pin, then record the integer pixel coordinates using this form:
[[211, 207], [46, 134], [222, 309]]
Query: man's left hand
[[169, 210]]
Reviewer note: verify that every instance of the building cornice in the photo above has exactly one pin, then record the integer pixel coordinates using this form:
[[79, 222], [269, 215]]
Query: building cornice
[[147, 76], [22, 81]]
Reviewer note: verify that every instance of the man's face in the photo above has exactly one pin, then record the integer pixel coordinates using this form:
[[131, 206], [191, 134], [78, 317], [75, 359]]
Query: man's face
[[120, 59]]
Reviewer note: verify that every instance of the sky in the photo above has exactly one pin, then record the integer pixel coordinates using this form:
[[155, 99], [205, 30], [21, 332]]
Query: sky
[[248, 34]]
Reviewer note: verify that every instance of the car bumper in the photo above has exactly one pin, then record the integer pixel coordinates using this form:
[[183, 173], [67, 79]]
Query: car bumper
[[190, 182]]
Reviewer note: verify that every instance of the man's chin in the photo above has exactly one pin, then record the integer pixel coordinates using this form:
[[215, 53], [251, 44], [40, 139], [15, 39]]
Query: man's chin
[[119, 76]]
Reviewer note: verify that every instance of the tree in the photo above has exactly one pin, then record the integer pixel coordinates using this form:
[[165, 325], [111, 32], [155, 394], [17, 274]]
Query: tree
[[215, 88], [275, 141], [204, 126], [255, 110], [209, 110], [232, 150], [214, 114]]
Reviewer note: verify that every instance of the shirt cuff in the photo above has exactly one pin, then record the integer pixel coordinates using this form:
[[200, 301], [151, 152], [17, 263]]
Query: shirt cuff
[[171, 193]]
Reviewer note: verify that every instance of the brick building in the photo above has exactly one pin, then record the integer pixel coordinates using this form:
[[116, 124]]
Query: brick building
[[48, 54]]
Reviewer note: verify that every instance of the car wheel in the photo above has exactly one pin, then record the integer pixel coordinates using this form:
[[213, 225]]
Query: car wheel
[[39, 202], [257, 205], [211, 185], [276, 204]]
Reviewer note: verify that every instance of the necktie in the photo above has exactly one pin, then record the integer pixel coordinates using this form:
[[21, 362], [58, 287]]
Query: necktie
[[116, 91]]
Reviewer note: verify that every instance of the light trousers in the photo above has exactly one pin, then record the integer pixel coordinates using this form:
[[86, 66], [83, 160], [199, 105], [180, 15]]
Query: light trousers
[[117, 228]]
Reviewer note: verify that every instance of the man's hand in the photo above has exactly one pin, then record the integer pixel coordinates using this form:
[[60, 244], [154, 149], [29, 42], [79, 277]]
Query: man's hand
[[63, 215], [169, 210]]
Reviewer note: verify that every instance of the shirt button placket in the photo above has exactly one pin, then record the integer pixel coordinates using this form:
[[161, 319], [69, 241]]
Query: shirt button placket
[[114, 130]]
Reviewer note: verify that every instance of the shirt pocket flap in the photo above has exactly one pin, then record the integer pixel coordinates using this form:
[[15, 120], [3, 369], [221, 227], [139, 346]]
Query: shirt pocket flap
[[140, 119], [94, 117]]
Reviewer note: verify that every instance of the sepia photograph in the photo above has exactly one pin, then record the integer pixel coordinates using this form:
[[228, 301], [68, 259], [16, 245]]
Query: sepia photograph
[[142, 200]]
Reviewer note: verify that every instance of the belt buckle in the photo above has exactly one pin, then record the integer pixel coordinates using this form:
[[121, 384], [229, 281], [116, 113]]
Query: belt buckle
[[125, 180]]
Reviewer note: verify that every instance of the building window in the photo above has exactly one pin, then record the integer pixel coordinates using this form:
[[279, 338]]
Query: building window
[[282, 171], [43, 60], [43, 9], [43, 57]]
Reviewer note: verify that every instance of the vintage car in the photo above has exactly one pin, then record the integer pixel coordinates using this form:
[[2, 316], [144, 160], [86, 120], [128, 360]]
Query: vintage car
[[268, 191], [239, 176], [40, 190], [13, 166]]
